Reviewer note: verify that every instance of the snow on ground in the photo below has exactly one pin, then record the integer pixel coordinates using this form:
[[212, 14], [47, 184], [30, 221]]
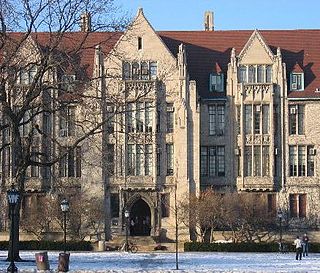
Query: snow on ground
[[218, 262]]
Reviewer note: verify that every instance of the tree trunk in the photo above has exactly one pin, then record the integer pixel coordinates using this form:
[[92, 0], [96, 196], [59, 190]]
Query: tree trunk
[[18, 174]]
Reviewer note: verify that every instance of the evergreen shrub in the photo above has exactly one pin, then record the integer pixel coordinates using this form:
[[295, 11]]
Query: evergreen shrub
[[50, 245], [243, 247]]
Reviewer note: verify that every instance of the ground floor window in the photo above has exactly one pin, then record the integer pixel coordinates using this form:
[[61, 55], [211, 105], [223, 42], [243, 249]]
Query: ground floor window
[[114, 203], [298, 205], [165, 204]]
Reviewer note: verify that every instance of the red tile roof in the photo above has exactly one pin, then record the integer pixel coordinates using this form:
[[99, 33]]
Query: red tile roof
[[297, 68], [205, 48], [77, 48]]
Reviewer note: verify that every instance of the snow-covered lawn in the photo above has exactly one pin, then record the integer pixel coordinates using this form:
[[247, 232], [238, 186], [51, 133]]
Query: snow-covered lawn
[[165, 262]]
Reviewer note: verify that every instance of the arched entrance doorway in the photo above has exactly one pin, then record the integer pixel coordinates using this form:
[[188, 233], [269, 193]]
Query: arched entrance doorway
[[140, 219]]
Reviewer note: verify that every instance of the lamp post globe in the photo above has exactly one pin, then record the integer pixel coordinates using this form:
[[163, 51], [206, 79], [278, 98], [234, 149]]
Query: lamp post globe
[[126, 215], [64, 208], [64, 205], [13, 198]]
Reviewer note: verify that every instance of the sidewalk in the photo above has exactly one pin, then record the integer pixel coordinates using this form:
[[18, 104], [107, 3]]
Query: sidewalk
[[120, 262]]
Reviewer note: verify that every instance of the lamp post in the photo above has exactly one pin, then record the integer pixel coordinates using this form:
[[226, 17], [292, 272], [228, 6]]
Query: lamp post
[[126, 215], [13, 197], [65, 208], [280, 228]]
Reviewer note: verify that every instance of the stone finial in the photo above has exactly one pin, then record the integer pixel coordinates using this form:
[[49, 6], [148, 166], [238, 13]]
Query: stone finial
[[85, 23], [233, 52], [208, 21], [140, 11], [278, 52]]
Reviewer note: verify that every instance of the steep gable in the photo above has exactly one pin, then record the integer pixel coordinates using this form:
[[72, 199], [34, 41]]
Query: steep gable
[[204, 48], [256, 51], [141, 42]]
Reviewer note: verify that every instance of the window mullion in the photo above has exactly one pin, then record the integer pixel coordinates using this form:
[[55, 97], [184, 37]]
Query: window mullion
[[252, 160]]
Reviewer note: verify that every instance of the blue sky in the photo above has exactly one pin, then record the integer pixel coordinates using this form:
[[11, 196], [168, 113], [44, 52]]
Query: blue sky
[[228, 14]]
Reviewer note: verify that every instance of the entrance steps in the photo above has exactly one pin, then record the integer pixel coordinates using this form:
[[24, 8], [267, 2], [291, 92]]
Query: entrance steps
[[144, 243]]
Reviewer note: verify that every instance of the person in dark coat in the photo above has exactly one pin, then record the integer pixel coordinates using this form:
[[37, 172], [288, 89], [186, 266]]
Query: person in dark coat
[[305, 245]]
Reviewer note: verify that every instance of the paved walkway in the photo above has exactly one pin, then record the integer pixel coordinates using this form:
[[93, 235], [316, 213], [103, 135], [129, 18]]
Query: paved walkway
[[165, 262]]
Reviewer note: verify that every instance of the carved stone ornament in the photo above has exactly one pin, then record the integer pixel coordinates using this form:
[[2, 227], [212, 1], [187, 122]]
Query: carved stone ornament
[[257, 139], [140, 87], [257, 88]]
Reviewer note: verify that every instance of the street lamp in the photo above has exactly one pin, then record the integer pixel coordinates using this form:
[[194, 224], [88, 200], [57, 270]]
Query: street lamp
[[65, 208], [126, 215], [280, 228], [13, 197]]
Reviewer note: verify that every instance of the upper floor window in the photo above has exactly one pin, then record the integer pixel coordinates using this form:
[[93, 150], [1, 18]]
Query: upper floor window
[[296, 119], [139, 70], [139, 159], [169, 152], [216, 82], [301, 160], [67, 120], [256, 160], [256, 119], [68, 83], [255, 74], [110, 159], [70, 162], [139, 117], [216, 119], [296, 81], [26, 75], [170, 117], [110, 115], [212, 161], [139, 43]]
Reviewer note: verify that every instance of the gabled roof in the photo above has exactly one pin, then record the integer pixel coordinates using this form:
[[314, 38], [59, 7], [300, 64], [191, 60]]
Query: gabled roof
[[297, 68], [205, 48], [77, 49]]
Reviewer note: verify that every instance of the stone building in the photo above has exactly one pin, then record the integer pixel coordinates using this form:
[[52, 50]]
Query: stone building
[[230, 110]]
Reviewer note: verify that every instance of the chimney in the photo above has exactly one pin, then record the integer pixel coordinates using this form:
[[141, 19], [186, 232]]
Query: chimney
[[208, 21], [85, 23]]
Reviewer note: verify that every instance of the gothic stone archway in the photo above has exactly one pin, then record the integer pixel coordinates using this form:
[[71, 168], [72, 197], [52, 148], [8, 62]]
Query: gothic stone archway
[[140, 218]]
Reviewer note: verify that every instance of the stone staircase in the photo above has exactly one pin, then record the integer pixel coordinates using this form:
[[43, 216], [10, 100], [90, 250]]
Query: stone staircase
[[144, 243]]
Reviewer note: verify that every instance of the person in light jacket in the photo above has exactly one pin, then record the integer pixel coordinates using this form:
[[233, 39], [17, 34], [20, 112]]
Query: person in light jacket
[[298, 244]]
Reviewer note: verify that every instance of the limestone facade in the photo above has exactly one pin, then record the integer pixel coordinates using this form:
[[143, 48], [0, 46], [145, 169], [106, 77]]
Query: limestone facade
[[196, 110]]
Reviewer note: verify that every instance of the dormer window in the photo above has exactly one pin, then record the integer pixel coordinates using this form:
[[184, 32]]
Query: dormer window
[[297, 81], [216, 82]]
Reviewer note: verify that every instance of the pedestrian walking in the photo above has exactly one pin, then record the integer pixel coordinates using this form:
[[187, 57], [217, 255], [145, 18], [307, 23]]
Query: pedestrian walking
[[305, 245], [298, 244]]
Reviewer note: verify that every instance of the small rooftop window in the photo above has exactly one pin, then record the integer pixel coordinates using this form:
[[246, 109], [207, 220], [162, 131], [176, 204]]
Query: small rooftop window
[[139, 43]]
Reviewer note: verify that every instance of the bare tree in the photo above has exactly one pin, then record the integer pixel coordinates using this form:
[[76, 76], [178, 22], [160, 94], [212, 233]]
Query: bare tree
[[40, 217], [206, 213], [44, 76], [246, 215]]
